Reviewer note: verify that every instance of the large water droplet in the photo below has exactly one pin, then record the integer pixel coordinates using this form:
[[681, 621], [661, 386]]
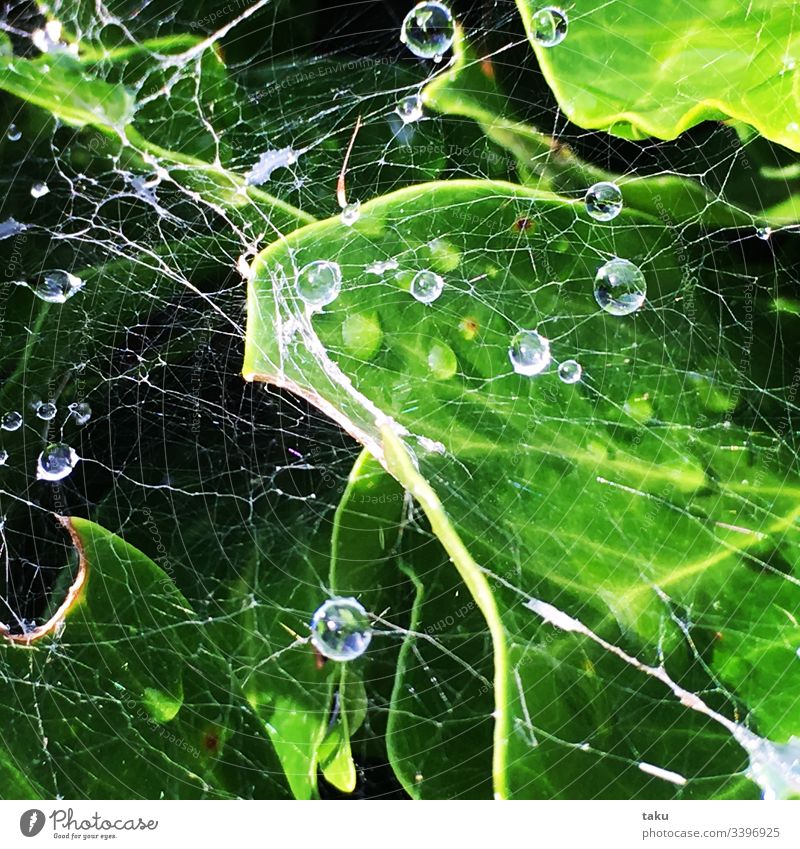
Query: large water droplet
[[56, 462], [56, 287], [529, 352], [603, 201], [570, 371], [81, 412], [11, 420], [764, 233], [319, 283], [428, 30], [426, 286], [351, 213], [340, 629], [549, 26], [46, 411], [619, 287], [13, 133], [442, 361], [39, 190], [410, 109]]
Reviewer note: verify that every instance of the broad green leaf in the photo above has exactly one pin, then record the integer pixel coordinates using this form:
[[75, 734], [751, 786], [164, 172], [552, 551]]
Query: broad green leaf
[[469, 88], [60, 84], [642, 69], [648, 501], [161, 710]]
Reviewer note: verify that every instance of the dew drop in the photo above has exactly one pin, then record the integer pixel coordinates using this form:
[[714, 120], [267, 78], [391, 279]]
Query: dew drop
[[426, 286], [380, 267], [428, 30], [13, 133], [351, 213], [764, 233], [442, 361], [46, 411], [549, 26], [3, 457], [81, 412], [529, 353], [603, 201], [11, 420], [58, 286], [410, 109], [319, 283], [56, 462], [39, 190], [340, 629], [570, 371], [619, 287]]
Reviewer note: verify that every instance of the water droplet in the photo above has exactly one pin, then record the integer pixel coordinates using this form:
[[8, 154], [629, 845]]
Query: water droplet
[[570, 371], [319, 283], [340, 629], [619, 287], [426, 286], [410, 109], [764, 233], [603, 201], [3, 457], [56, 287], [428, 30], [13, 133], [56, 462], [442, 361], [39, 190], [549, 26], [11, 420], [380, 267], [46, 410], [529, 352], [351, 213], [81, 412]]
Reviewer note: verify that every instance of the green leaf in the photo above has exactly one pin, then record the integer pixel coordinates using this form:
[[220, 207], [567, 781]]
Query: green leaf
[[647, 501], [657, 69], [469, 89], [59, 84], [158, 698]]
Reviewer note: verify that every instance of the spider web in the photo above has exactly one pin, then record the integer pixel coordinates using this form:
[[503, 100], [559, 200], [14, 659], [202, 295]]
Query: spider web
[[180, 456]]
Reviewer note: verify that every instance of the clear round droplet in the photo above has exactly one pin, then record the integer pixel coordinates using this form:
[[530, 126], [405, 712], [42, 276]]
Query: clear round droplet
[[570, 371], [58, 286], [340, 629], [529, 353], [549, 26], [426, 286], [13, 133], [319, 283], [764, 233], [619, 287], [603, 201], [428, 30], [3, 457], [46, 411], [81, 412], [351, 213], [56, 462], [410, 109], [11, 420], [39, 190]]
